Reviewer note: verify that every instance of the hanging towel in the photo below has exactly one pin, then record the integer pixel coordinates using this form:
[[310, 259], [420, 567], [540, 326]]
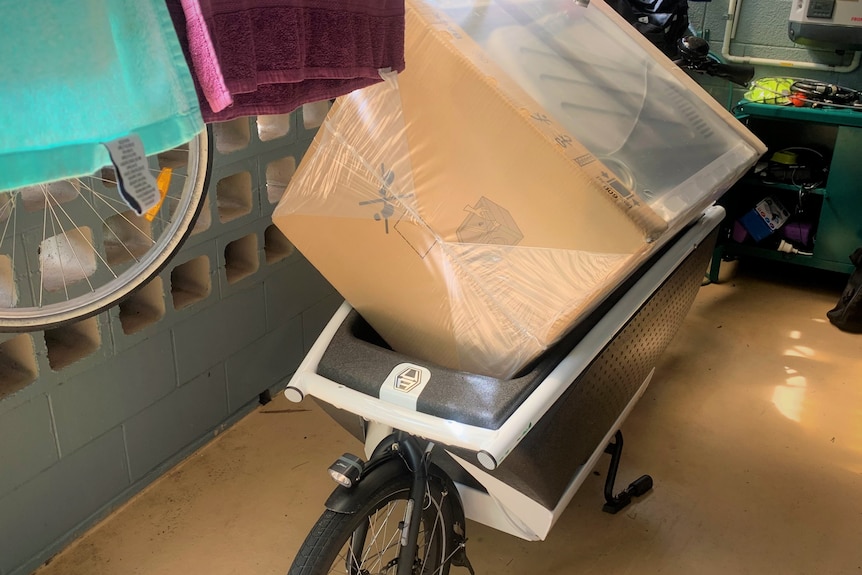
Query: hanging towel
[[191, 28], [76, 74], [271, 56]]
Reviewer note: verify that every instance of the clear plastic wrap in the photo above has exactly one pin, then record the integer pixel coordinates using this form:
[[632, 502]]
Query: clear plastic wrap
[[473, 210]]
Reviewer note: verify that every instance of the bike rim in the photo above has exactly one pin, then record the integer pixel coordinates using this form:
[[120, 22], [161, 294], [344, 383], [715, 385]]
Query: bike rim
[[89, 250]]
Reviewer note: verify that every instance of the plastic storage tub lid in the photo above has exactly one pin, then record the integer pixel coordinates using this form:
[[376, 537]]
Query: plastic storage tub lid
[[617, 94]]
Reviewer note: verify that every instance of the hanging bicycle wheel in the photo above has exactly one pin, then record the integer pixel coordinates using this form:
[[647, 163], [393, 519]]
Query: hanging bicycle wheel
[[72, 248], [368, 542]]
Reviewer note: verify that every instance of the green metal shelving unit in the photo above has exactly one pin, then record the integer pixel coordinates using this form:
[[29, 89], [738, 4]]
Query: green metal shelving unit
[[839, 223]]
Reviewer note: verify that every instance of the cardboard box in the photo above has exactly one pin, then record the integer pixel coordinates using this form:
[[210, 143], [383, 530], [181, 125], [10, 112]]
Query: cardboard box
[[766, 217], [465, 220]]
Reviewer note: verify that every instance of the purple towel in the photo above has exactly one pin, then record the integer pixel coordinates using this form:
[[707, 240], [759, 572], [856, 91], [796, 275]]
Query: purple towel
[[271, 56]]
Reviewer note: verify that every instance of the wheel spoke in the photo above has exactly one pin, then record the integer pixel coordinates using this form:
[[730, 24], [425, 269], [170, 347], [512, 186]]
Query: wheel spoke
[[10, 216], [111, 202], [41, 266], [89, 244], [434, 527], [122, 215], [159, 171], [55, 221], [10, 204], [375, 540]]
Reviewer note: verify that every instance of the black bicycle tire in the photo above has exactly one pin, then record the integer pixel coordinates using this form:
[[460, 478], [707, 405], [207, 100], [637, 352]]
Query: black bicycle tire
[[130, 289], [332, 531]]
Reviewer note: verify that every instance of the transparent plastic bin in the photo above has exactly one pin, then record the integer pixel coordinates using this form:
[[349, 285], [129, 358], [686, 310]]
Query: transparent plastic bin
[[532, 155], [621, 99]]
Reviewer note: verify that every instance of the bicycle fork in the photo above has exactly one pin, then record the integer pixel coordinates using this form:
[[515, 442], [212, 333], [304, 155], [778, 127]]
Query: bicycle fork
[[417, 463]]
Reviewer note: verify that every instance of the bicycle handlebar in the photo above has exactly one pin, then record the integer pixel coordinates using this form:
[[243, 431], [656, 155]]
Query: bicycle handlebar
[[694, 56]]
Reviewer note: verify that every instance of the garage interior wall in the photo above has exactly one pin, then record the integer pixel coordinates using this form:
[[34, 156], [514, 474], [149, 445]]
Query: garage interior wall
[[92, 413], [761, 32]]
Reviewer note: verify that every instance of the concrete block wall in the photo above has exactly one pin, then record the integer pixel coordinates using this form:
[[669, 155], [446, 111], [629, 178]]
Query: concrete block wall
[[762, 33], [91, 413]]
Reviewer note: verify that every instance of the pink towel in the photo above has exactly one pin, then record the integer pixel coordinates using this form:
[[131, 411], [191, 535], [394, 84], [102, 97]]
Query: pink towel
[[271, 56], [200, 55]]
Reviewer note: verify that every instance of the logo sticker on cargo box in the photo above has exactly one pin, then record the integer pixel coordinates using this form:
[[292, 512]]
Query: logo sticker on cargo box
[[408, 379], [404, 384]]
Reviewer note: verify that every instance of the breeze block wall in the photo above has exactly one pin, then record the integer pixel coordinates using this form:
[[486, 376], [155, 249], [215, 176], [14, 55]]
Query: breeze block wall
[[93, 412]]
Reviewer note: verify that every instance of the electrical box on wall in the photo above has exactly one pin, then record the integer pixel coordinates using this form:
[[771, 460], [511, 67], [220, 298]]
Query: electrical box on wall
[[833, 24]]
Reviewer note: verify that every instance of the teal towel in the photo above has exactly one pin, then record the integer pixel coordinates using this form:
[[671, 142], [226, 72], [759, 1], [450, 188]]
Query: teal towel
[[77, 73]]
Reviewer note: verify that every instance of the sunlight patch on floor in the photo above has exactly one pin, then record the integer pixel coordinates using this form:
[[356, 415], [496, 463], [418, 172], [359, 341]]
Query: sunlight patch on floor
[[790, 397]]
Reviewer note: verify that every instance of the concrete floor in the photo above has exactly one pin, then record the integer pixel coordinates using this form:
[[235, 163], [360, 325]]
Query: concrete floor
[[751, 429]]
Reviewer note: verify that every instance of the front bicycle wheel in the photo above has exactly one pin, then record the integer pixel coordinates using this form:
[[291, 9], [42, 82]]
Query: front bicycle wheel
[[368, 542], [73, 248]]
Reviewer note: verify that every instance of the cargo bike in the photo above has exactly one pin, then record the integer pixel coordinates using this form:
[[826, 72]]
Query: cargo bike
[[446, 444], [506, 453]]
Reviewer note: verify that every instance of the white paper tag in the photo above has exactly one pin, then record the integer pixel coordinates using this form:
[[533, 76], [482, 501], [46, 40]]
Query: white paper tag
[[135, 182]]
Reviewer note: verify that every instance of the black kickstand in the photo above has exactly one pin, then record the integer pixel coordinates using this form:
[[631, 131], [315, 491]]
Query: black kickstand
[[635, 489]]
